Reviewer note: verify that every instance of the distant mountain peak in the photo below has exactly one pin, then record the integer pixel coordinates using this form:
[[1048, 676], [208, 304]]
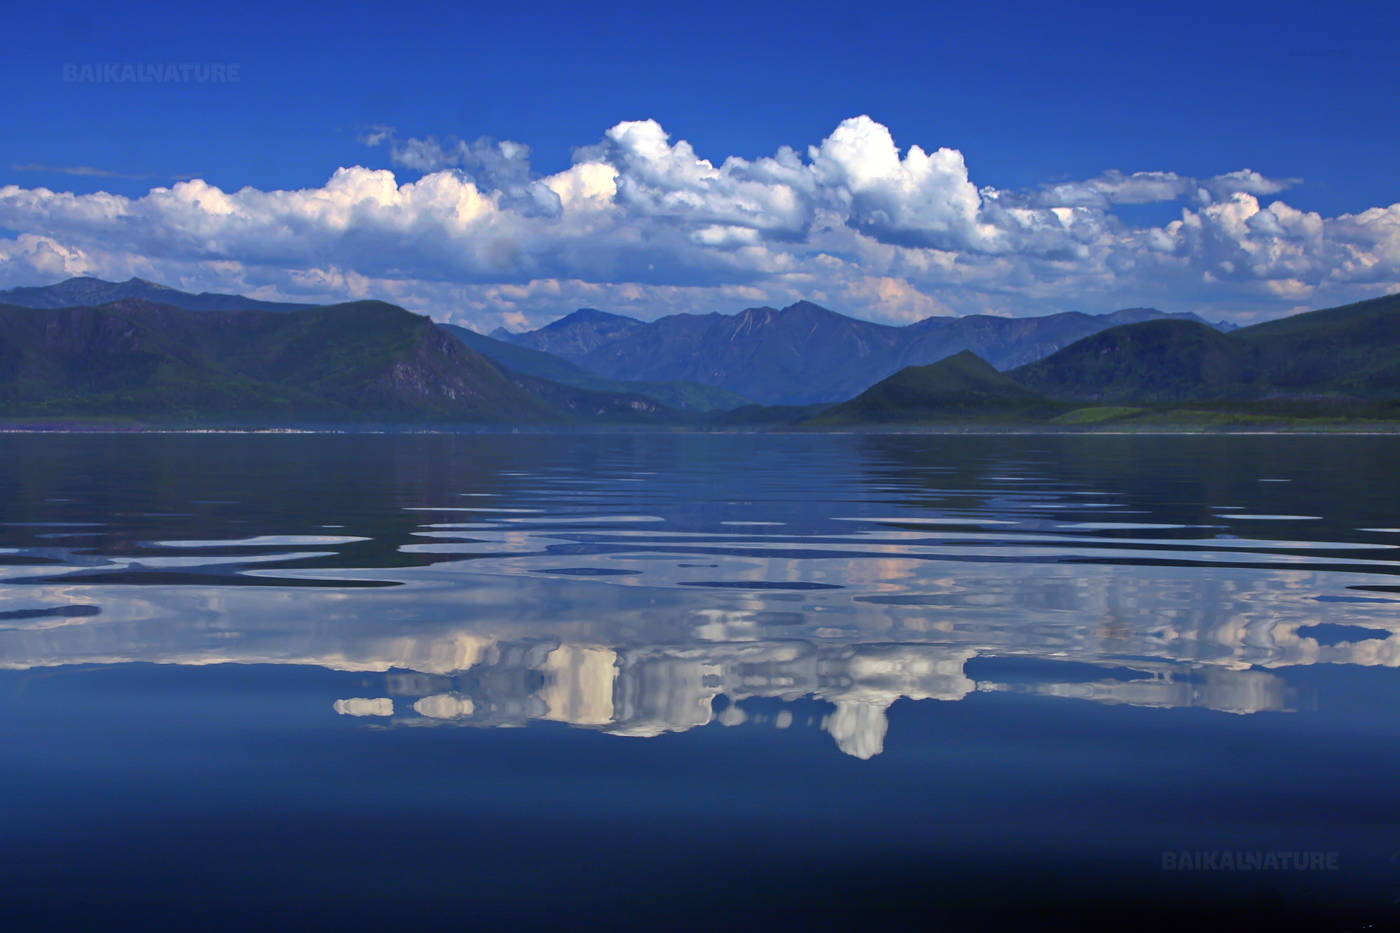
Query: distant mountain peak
[[592, 316], [590, 319], [146, 283], [575, 333], [808, 307]]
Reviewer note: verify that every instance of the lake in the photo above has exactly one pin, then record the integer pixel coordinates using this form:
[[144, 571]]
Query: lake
[[698, 681]]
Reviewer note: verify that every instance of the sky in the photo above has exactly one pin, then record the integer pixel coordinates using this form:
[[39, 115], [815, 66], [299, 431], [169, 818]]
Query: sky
[[504, 164]]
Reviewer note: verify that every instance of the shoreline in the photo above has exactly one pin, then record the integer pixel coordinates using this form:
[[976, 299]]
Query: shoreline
[[1186, 430]]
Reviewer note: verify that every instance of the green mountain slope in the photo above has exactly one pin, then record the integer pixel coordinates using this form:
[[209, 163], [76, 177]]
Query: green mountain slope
[[963, 387], [1336, 354], [1354, 349], [1149, 362], [362, 361]]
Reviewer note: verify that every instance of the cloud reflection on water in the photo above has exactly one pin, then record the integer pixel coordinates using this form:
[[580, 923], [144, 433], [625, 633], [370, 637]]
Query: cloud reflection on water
[[884, 570]]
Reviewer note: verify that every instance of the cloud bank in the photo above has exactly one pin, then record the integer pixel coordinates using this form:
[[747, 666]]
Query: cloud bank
[[641, 224]]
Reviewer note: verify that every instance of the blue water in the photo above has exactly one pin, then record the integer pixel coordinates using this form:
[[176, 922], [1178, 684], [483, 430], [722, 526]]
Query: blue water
[[686, 681]]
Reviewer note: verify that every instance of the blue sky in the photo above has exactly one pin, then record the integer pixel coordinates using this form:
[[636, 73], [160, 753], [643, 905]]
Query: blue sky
[[1029, 95]]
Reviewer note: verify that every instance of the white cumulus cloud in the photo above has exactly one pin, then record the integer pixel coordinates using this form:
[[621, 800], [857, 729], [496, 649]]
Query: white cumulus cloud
[[641, 223]]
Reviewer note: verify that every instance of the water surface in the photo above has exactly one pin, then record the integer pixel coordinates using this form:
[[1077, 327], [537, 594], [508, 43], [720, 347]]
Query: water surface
[[382, 682]]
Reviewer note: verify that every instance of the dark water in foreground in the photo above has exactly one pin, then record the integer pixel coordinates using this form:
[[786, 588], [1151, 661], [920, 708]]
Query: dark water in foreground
[[754, 682]]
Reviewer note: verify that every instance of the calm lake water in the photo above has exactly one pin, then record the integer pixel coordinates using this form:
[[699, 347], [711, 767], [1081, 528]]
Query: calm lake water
[[754, 682]]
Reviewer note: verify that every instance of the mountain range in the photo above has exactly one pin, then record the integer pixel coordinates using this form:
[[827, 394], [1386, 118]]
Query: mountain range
[[86, 291], [371, 362], [804, 353], [682, 396]]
